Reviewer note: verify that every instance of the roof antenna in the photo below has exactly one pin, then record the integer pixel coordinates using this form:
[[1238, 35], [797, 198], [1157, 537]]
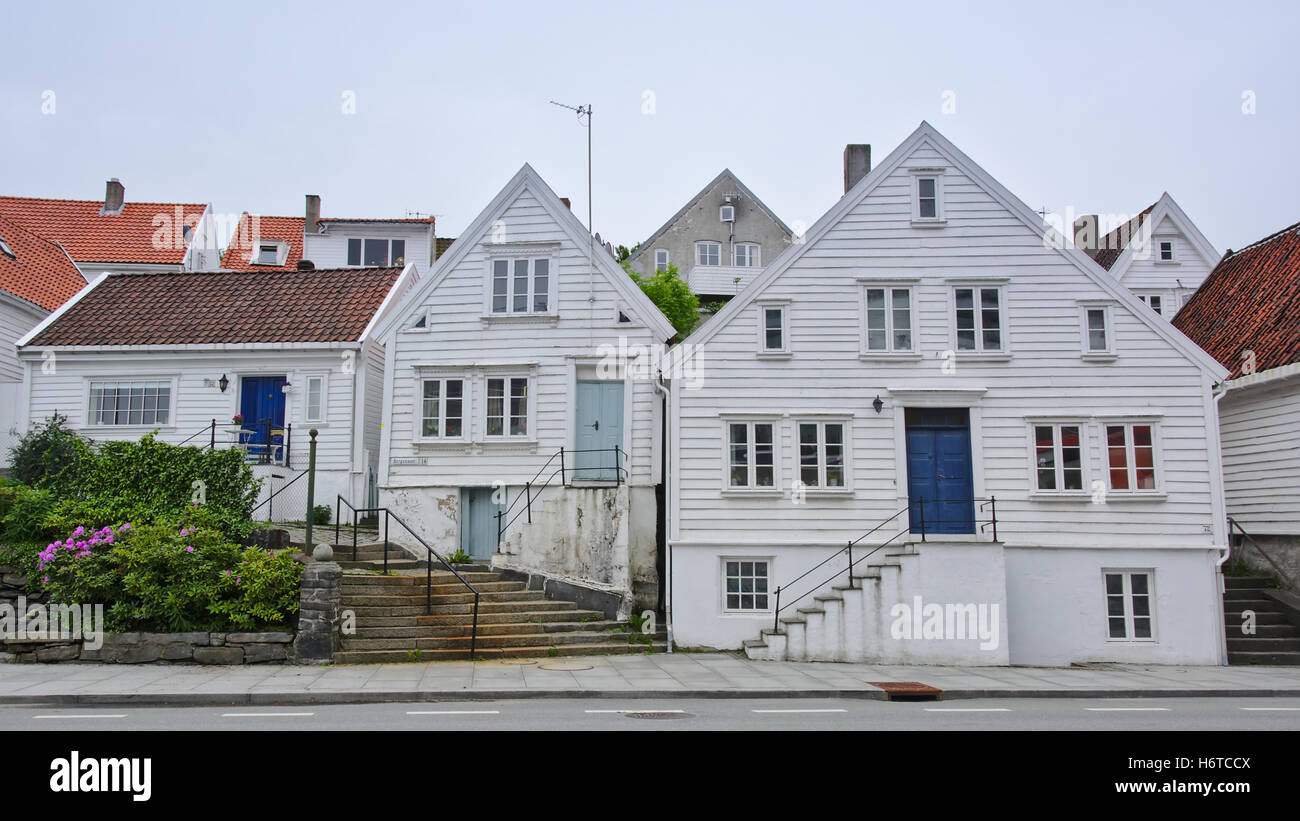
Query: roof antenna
[[581, 112]]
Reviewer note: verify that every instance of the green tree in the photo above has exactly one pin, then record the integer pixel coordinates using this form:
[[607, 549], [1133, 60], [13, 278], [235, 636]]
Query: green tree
[[671, 294]]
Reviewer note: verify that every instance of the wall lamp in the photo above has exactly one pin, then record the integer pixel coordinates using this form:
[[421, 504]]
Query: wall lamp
[[878, 404]]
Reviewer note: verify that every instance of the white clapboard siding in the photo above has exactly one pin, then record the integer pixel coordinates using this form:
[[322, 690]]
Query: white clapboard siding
[[17, 317], [457, 336], [1045, 376], [1261, 456], [330, 250]]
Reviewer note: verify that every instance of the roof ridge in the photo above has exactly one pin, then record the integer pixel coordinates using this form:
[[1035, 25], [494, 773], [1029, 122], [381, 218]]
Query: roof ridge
[[96, 202], [1275, 235]]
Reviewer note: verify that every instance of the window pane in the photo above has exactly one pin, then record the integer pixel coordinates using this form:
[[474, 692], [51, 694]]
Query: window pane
[[1138, 582], [521, 286], [772, 331], [496, 393], [399, 252], [376, 252], [1141, 628], [354, 252], [518, 407], [500, 285], [541, 284], [1117, 628], [1114, 583], [925, 186], [739, 455]]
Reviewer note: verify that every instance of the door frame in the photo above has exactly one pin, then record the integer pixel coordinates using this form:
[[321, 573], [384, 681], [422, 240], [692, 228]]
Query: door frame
[[585, 366], [969, 398]]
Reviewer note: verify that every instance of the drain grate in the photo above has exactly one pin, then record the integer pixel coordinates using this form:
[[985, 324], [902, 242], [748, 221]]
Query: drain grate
[[907, 690]]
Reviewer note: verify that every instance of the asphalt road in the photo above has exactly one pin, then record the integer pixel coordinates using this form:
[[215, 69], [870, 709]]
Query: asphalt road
[[688, 714]]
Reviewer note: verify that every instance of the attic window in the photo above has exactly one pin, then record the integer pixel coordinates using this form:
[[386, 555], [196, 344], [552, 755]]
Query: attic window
[[6, 250], [1166, 250], [727, 213], [267, 254], [622, 317], [419, 322], [927, 197]]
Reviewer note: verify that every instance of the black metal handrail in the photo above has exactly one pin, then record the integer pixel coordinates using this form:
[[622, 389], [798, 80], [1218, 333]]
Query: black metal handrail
[[285, 446], [532, 489], [991, 504], [270, 510], [1247, 537], [428, 573], [210, 429]]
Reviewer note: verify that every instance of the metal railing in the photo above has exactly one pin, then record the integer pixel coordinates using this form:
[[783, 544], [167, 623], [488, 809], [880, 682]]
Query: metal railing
[[990, 504], [270, 508], [390, 516], [1246, 537], [262, 452], [567, 474]]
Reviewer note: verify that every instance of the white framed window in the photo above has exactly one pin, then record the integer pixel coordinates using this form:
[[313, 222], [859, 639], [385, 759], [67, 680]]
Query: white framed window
[[708, 253], [132, 402], [752, 455], [442, 408], [375, 253], [1153, 301], [1165, 250], [506, 410], [773, 328], [268, 254], [727, 213], [887, 316], [418, 322], [1130, 604], [520, 285], [1059, 457], [745, 585], [978, 315], [1095, 325], [927, 196], [661, 259], [822, 454], [315, 401], [1131, 456], [746, 255]]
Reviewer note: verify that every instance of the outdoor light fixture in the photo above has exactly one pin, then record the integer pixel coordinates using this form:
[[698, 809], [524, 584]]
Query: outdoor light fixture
[[877, 404], [223, 383]]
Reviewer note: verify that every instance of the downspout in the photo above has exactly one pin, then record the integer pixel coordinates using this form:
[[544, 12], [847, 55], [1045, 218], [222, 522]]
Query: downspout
[[1220, 504], [668, 516]]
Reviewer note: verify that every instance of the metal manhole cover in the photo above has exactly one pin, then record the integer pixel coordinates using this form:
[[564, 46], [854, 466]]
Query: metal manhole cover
[[564, 665], [656, 714]]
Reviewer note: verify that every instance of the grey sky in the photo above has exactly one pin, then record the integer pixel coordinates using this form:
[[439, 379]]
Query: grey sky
[[240, 104]]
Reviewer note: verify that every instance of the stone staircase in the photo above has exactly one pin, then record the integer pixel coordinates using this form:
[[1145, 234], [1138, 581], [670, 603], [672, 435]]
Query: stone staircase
[[391, 624], [1275, 640]]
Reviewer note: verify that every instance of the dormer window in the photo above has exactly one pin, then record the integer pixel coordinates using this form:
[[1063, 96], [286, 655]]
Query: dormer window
[[269, 252], [375, 253]]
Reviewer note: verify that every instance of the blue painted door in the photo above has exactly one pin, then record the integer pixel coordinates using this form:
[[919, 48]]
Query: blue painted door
[[939, 470], [262, 405], [599, 429], [478, 522]]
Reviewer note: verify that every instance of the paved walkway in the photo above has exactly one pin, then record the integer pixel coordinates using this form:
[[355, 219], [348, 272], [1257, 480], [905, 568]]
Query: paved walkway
[[723, 675]]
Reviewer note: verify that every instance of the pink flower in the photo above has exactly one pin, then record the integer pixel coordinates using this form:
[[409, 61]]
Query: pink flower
[[45, 580], [189, 549]]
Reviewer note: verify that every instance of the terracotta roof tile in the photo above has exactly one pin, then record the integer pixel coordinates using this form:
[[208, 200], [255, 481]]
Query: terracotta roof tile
[[89, 236], [256, 227], [441, 244], [224, 307], [39, 271], [1250, 302]]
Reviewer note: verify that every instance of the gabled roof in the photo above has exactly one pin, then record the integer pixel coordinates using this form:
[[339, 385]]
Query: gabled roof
[[214, 308], [243, 243], [526, 179], [927, 134], [1162, 209], [1250, 302], [88, 235], [744, 191], [39, 271]]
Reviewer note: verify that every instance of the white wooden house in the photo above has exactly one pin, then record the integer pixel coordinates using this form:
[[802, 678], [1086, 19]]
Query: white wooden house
[[508, 353], [181, 354], [926, 360]]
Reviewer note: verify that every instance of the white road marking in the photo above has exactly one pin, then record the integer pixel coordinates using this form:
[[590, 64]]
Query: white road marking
[[453, 712], [642, 710], [798, 711], [263, 715], [1272, 709], [968, 709], [1127, 709], [84, 715]]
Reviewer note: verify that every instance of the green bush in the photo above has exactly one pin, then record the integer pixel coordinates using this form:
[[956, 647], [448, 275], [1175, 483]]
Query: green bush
[[175, 575], [28, 510], [320, 515], [51, 454]]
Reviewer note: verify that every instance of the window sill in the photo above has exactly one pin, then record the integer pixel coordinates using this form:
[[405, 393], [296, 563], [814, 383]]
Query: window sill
[[1167, 262], [829, 492], [441, 442], [1060, 496], [928, 223], [774, 355], [742, 493], [1099, 357], [983, 356], [890, 356], [519, 319], [1136, 496]]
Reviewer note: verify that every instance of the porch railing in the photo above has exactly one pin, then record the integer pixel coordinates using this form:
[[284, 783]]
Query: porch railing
[[263, 452], [567, 473]]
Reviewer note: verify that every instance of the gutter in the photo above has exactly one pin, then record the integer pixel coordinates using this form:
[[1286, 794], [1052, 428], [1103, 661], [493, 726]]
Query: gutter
[[668, 516], [1217, 392]]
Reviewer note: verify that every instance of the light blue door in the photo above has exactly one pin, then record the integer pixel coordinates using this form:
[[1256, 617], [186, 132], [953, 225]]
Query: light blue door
[[478, 522], [598, 431]]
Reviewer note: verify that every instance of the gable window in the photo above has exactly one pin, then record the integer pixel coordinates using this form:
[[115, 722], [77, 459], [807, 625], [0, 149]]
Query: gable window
[[979, 318], [521, 286], [746, 582], [821, 454], [746, 255], [1058, 457], [889, 318], [708, 253], [1153, 301], [661, 259], [927, 197], [1130, 456], [314, 409], [507, 406], [751, 455], [130, 403], [1129, 599], [727, 213], [1096, 332], [773, 333], [1166, 247], [442, 408]]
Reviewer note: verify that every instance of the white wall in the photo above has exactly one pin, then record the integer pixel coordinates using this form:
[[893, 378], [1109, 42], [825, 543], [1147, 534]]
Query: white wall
[[1172, 281], [330, 249], [1261, 456], [16, 319]]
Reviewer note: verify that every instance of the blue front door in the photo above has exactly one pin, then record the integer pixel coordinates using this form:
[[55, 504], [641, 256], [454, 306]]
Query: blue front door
[[599, 429], [478, 522], [261, 403], [940, 488]]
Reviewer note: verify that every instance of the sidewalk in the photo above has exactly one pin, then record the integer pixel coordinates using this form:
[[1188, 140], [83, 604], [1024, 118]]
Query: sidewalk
[[697, 675]]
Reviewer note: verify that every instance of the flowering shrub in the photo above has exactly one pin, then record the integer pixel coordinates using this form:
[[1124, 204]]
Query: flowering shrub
[[176, 575]]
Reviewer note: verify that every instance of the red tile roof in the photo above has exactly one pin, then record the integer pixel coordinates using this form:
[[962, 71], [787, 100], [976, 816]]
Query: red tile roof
[[1250, 302], [224, 307], [251, 229], [133, 235], [441, 244], [1113, 244], [38, 272]]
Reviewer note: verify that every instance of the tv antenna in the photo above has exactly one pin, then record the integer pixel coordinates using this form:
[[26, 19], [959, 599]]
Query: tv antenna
[[585, 111]]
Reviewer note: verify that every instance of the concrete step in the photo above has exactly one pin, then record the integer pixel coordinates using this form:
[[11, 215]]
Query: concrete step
[[1244, 593], [1246, 582], [454, 589], [462, 641], [439, 630], [509, 617], [1265, 631], [378, 564], [1258, 644], [353, 600], [396, 656], [1277, 659], [438, 577], [461, 609], [1252, 603], [1233, 618]]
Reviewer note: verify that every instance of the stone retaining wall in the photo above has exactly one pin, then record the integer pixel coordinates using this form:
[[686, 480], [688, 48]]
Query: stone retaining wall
[[156, 648]]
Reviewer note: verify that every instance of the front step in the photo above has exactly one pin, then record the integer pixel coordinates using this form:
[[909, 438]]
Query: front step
[[1275, 641]]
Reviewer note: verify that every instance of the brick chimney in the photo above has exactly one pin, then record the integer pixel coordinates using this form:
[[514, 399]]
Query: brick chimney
[[114, 197], [313, 213], [566, 202], [857, 164]]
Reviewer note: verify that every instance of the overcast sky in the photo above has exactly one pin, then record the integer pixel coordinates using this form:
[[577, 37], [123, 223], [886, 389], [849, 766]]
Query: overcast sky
[[1090, 107]]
